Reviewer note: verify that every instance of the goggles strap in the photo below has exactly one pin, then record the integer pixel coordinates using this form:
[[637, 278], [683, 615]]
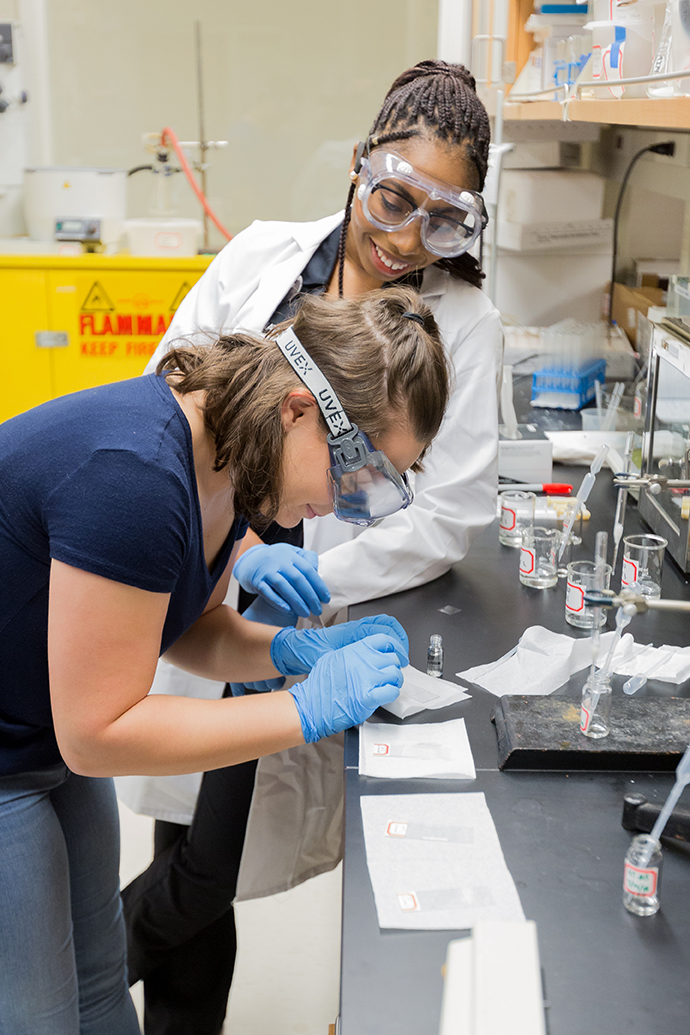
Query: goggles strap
[[317, 383], [349, 450]]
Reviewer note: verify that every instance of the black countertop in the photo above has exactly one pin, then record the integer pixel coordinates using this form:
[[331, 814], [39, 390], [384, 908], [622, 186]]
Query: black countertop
[[605, 971]]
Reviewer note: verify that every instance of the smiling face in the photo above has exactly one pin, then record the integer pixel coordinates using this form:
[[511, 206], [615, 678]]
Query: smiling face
[[378, 256], [306, 459]]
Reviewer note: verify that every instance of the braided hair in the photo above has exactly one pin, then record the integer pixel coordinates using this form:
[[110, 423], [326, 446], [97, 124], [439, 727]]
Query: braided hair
[[440, 98]]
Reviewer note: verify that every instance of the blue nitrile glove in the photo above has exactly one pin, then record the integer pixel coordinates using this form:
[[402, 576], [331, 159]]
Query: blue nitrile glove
[[286, 576], [346, 686], [263, 612], [294, 651]]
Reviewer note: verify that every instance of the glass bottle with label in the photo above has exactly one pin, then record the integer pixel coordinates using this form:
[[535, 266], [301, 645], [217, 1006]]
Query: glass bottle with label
[[641, 875], [595, 710]]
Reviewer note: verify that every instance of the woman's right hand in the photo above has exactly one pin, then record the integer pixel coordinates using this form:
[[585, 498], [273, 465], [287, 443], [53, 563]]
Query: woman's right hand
[[261, 611], [346, 686], [285, 576]]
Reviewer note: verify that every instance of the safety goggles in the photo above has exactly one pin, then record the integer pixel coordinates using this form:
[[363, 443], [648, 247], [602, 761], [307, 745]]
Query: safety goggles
[[364, 483], [389, 188]]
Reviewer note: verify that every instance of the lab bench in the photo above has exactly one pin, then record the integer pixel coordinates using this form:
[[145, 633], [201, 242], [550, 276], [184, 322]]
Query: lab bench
[[603, 969]]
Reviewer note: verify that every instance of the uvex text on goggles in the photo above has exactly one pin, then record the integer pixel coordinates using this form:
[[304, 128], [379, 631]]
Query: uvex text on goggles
[[451, 219], [365, 485]]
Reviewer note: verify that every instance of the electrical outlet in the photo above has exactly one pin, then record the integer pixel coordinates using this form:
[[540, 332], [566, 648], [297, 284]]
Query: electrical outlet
[[681, 154]]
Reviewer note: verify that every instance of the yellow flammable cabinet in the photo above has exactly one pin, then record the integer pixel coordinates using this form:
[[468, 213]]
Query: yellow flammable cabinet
[[73, 322]]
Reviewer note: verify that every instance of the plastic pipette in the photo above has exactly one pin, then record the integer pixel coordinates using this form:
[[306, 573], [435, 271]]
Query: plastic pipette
[[622, 619], [600, 549], [609, 421], [682, 778], [636, 682], [619, 519], [582, 494], [601, 543], [600, 408]]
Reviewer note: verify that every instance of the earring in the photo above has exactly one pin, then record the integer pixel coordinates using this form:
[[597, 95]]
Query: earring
[[353, 175]]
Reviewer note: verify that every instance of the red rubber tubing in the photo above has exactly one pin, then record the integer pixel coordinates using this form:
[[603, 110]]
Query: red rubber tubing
[[170, 135]]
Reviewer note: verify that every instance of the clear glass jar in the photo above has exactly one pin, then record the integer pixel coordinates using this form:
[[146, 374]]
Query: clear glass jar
[[641, 874], [595, 709]]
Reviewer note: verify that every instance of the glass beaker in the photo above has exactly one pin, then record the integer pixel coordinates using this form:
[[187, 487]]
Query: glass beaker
[[643, 557], [538, 557], [517, 512], [582, 577]]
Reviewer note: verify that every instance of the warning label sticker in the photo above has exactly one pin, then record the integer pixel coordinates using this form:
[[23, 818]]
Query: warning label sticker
[[97, 300], [184, 290], [126, 324]]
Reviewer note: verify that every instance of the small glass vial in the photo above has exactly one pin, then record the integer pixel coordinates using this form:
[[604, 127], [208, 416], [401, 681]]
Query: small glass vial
[[595, 709], [641, 875], [434, 656]]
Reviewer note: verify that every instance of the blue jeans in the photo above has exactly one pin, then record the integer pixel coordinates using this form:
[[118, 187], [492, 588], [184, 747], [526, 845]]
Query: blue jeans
[[62, 940]]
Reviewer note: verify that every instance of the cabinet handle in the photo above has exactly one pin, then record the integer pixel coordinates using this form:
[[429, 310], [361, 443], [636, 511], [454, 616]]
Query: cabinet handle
[[51, 339]]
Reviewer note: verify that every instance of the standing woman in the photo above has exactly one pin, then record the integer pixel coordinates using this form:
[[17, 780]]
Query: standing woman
[[121, 513], [413, 212]]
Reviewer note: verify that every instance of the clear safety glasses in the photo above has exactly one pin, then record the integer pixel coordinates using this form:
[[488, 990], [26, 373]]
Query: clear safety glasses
[[364, 483], [389, 188]]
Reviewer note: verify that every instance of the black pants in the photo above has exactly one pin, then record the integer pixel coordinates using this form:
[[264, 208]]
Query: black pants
[[178, 913]]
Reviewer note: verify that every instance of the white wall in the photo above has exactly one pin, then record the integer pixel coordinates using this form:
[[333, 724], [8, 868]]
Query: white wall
[[291, 85], [655, 214], [654, 224]]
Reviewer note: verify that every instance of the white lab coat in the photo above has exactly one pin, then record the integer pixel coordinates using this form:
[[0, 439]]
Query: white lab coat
[[454, 496]]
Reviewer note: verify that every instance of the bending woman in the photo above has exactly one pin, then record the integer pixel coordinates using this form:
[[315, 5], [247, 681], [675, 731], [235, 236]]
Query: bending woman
[[413, 213], [121, 514]]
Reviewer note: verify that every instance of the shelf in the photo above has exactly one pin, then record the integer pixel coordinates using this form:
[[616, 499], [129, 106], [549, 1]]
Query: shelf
[[661, 113]]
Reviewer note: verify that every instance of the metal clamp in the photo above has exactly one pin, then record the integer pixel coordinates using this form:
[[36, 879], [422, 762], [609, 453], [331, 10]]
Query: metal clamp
[[632, 603], [654, 483]]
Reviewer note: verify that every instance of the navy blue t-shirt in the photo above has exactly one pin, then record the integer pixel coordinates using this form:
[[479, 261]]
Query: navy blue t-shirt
[[102, 480]]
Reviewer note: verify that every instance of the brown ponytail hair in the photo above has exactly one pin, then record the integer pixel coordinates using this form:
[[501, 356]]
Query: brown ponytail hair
[[386, 368]]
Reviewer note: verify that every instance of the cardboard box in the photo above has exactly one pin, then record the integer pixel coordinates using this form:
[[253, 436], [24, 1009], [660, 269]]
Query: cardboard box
[[628, 302], [550, 196], [528, 458], [543, 154], [554, 237]]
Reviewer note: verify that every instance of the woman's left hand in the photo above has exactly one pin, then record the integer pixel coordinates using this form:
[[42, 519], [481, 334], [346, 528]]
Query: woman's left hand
[[294, 652]]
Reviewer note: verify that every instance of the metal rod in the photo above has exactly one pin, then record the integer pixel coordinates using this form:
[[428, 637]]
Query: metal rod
[[656, 604], [490, 48], [498, 139], [646, 483], [576, 87], [597, 598], [202, 129]]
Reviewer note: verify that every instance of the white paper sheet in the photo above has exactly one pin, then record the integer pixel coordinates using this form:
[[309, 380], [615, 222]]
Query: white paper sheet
[[435, 862], [440, 750], [632, 659], [420, 691], [543, 662]]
